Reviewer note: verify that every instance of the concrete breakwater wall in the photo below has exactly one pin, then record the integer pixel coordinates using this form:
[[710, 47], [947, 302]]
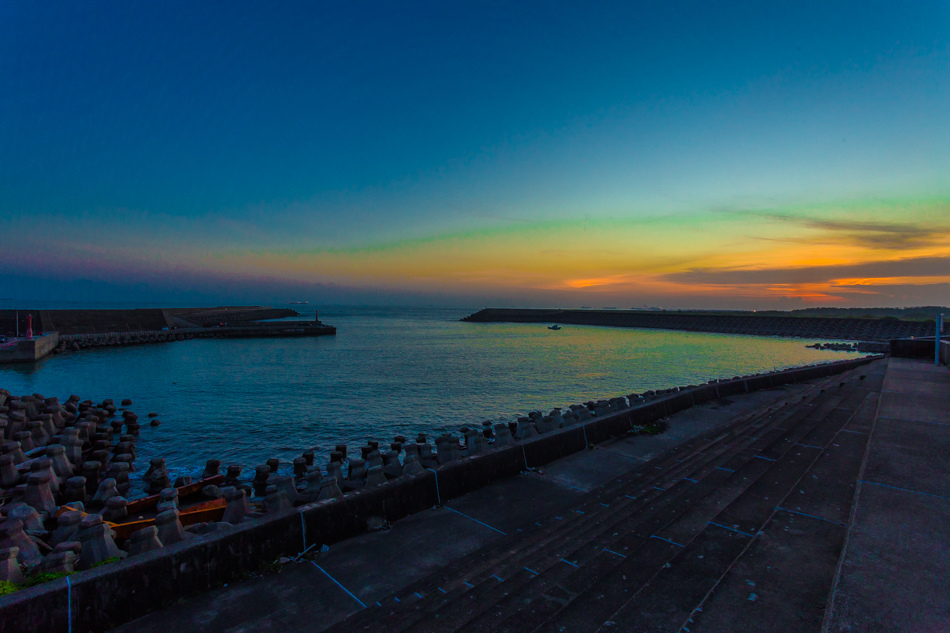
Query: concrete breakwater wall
[[801, 327], [76, 342], [70, 322], [103, 597], [921, 348]]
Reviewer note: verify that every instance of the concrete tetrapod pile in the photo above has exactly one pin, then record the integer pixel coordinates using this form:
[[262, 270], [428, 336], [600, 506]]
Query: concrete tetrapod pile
[[66, 493]]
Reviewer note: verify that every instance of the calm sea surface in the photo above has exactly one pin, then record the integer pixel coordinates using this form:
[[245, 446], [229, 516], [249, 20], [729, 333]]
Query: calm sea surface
[[388, 371]]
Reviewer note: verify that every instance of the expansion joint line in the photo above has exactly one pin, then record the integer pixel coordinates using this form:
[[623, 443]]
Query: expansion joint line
[[337, 583], [69, 606], [438, 495], [476, 520]]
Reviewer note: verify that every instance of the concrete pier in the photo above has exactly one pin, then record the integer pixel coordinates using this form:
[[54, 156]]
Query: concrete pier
[[24, 350]]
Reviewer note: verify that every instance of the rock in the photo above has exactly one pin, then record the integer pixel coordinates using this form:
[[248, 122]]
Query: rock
[[62, 562], [9, 476], [168, 500], [67, 526], [238, 507], [375, 476], [9, 568], [97, 543], [105, 491], [412, 466], [276, 500], [28, 516], [169, 527], [116, 511], [144, 540], [330, 489], [233, 474], [38, 493], [12, 535], [212, 468]]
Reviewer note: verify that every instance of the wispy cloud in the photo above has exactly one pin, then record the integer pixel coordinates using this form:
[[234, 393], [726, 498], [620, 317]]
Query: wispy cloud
[[919, 267], [866, 233]]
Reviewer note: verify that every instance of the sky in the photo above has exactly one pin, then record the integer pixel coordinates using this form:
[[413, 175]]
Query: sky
[[678, 154]]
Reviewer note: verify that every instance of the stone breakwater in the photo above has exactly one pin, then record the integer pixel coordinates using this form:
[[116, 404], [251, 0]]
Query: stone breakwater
[[67, 508], [749, 324]]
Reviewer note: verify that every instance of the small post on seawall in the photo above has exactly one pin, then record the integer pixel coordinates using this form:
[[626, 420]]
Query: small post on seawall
[[937, 339]]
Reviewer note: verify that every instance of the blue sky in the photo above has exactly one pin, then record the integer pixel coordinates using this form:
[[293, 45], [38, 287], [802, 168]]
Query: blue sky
[[271, 145]]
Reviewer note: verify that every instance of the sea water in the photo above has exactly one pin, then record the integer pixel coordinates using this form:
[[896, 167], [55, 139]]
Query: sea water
[[388, 371]]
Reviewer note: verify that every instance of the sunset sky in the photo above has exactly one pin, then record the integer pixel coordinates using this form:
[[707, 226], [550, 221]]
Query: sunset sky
[[682, 154]]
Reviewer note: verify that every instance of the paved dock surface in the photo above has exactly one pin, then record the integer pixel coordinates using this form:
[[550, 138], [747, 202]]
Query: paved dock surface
[[819, 506], [895, 572]]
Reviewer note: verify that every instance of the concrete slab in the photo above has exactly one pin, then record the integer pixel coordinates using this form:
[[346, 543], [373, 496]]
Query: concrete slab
[[518, 501], [912, 375], [659, 606], [615, 457], [918, 408], [581, 473], [376, 564], [643, 448], [827, 490], [894, 573], [863, 419], [780, 583], [282, 602], [910, 455], [926, 385]]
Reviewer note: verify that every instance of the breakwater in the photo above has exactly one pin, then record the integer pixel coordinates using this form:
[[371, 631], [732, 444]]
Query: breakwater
[[74, 330], [86, 321], [75, 342], [750, 324], [298, 511]]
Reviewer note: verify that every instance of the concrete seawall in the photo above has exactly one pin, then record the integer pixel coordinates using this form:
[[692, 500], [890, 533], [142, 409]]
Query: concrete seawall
[[803, 327], [104, 597]]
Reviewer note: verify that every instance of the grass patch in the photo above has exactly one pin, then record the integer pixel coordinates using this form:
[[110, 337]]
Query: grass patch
[[7, 587]]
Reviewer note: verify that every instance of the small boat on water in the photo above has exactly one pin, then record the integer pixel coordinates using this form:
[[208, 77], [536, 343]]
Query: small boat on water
[[554, 327]]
